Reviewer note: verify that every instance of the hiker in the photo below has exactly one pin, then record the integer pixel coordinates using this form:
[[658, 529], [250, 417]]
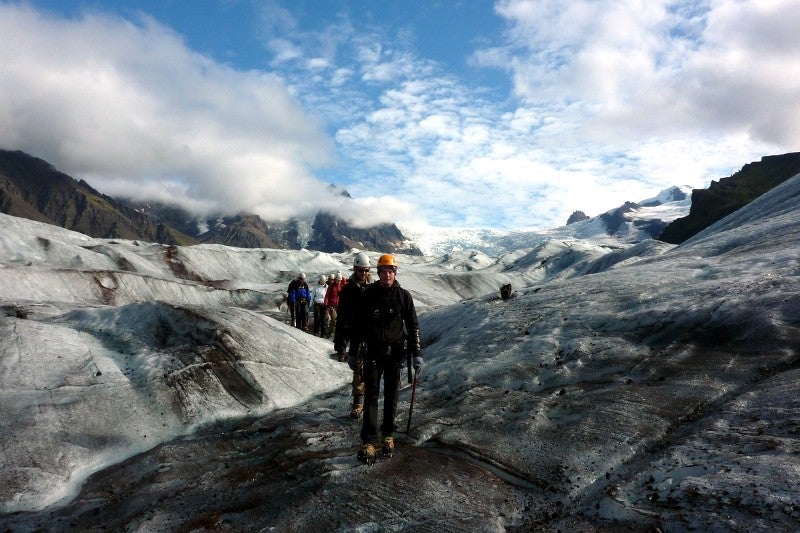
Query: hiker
[[292, 286], [349, 298], [332, 303], [318, 296], [299, 297], [387, 322]]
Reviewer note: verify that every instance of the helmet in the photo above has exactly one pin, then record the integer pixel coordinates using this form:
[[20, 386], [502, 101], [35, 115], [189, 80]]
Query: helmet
[[338, 276], [302, 275], [387, 260], [361, 260], [323, 279]]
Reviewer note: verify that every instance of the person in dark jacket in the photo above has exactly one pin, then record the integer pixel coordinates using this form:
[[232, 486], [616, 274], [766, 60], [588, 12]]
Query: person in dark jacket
[[296, 282], [299, 298], [386, 321], [349, 298]]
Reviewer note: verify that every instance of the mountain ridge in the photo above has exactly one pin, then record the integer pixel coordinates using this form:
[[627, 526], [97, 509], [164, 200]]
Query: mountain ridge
[[33, 188], [729, 194], [628, 224]]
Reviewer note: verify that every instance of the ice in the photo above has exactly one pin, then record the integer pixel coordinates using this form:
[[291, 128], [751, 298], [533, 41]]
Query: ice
[[630, 387]]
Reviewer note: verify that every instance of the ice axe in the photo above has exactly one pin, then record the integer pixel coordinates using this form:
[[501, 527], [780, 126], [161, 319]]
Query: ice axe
[[411, 407]]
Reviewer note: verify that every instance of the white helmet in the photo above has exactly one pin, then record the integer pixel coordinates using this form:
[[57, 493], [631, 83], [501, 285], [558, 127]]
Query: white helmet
[[338, 276], [361, 260], [302, 275], [323, 279]]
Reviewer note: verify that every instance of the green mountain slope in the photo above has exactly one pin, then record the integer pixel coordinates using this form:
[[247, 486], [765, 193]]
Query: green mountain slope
[[32, 188]]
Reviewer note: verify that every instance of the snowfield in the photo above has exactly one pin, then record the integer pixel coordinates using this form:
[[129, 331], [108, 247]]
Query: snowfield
[[626, 386]]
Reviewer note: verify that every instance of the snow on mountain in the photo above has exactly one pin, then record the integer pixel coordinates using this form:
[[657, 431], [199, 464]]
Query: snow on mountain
[[622, 387], [624, 225], [672, 195]]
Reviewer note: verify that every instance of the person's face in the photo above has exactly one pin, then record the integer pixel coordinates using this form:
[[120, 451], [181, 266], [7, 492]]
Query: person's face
[[387, 276], [361, 273]]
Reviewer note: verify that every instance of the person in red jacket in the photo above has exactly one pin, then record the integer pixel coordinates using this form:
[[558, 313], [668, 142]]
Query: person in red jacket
[[332, 303]]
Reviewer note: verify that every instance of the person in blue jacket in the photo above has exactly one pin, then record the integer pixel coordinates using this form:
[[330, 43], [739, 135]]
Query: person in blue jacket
[[299, 298]]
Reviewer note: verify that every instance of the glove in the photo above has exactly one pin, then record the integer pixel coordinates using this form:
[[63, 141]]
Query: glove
[[418, 363], [352, 361]]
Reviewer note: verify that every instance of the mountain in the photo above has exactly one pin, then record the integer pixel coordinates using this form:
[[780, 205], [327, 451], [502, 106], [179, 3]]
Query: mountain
[[674, 215], [731, 193], [242, 230], [326, 233], [34, 189], [623, 226], [650, 388], [577, 216], [331, 234], [31, 188]]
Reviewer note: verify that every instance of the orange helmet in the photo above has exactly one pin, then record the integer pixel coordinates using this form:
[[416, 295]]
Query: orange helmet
[[387, 260]]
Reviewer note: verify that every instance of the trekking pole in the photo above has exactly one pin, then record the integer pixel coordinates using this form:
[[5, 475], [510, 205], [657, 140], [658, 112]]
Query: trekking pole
[[411, 407]]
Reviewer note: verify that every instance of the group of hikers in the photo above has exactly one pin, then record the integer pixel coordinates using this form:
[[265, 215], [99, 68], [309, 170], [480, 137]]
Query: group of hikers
[[375, 329], [317, 306]]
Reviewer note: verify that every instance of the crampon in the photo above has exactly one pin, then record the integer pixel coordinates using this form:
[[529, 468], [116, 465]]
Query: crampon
[[356, 411], [387, 446], [367, 454]]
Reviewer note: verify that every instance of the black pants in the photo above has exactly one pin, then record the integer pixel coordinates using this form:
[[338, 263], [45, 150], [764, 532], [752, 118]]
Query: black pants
[[381, 361], [301, 314], [319, 319]]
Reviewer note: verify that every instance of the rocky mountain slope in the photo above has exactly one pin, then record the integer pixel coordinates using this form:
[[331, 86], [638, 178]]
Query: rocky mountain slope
[[32, 188], [729, 194]]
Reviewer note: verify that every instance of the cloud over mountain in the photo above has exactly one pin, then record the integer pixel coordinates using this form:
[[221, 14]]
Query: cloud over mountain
[[129, 107]]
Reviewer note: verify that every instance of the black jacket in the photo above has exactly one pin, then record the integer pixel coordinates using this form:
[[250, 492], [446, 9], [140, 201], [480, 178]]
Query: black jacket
[[386, 315], [349, 299]]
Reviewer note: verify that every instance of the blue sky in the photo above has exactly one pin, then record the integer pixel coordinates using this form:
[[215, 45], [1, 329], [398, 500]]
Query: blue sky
[[482, 114]]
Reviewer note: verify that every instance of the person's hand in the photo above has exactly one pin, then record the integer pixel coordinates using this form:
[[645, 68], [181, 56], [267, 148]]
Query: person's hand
[[418, 363]]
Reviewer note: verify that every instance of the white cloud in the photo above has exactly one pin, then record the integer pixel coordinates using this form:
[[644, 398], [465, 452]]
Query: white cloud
[[368, 52], [375, 210], [613, 101], [318, 63], [661, 68], [128, 107], [284, 50], [606, 112]]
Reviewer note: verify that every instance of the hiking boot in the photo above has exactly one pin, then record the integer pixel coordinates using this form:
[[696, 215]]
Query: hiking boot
[[357, 410], [367, 454], [341, 356], [387, 446]]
